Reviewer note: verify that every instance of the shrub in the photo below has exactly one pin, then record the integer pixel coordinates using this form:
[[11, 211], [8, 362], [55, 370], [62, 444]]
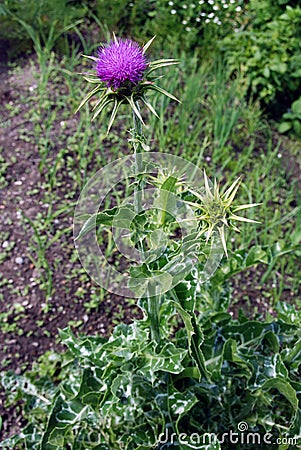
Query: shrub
[[267, 52], [185, 23]]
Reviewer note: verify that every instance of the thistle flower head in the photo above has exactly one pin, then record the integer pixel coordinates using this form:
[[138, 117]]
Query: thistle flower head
[[123, 75], [218, 211], [121, 62]]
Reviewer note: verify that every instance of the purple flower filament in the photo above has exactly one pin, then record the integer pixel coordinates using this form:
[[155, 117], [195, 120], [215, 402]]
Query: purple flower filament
[[121, 62]]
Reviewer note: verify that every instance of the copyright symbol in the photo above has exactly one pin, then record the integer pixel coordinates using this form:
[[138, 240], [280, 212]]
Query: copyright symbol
[[242, 426]]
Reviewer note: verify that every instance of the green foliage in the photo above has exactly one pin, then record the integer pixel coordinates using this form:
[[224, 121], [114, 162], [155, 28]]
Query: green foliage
[[292, 119], [189, 22], [127, 17], [267, 51], [180, 21], [42, 19], [125, 392]]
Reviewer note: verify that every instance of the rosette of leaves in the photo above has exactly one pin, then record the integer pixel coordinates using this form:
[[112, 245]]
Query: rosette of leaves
[[128, 391]]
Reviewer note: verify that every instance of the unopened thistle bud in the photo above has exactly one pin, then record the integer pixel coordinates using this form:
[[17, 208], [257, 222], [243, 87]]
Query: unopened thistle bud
[[218, 211]]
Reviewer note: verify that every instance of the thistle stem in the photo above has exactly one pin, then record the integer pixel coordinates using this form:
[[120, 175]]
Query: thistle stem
[[153, 302], [153, 316], [138, 164]]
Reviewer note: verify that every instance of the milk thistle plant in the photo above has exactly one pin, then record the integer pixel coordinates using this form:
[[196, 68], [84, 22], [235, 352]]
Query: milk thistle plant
[[187, 371], [123, 75]]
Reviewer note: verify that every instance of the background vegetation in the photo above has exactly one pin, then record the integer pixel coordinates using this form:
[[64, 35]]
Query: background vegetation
[[239, 81]]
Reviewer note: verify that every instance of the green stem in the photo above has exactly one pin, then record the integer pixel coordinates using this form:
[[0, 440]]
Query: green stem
[[138, 167], [153, 302], [153, 316], [192, 324], [138, 194]]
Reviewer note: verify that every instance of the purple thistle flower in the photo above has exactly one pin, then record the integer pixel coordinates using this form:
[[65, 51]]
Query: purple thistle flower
[[120, 66], [120, 62]]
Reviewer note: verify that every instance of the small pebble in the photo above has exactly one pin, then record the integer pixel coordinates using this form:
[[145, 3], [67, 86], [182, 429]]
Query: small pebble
[[5, 244], [19, 260]]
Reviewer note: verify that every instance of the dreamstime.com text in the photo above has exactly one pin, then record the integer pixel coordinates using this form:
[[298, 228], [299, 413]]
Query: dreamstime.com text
[[241, 436]]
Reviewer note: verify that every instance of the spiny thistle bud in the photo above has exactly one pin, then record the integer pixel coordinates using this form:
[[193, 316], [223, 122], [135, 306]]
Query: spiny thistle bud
[[217, 211], [123, 75]]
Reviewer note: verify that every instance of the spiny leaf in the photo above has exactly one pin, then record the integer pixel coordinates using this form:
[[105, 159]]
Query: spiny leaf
[[102, 98], [207, 187], [134, 108], [92, 79], [249, 205], [230, 193], [92, 58], [242, 219], [94, 220], [101, 107], [148, 44], [149, 106], [161, 63], [154, 87], [284, 387], [113, 114], [88, 96], [186, 317]]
